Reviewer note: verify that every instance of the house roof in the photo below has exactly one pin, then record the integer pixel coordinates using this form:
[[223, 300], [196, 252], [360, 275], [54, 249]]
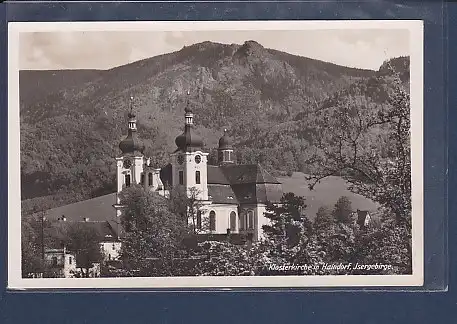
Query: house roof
[[362, 216], [96, 209], [104, 229]]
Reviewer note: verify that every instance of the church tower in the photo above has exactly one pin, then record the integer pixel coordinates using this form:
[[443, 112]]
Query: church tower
[[130, 163], [225, 150], [189, 162]]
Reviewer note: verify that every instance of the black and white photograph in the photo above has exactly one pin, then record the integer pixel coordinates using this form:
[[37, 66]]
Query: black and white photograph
[[215, 154]]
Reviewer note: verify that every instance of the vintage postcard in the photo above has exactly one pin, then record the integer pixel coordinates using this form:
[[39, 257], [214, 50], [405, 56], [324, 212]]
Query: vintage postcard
[[215, 154]]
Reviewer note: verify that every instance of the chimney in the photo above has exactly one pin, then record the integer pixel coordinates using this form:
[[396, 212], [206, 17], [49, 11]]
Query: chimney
[[86, 219], [64, 219]]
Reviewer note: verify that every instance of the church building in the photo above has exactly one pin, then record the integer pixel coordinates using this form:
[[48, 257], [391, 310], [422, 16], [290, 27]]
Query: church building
[[233, 196]]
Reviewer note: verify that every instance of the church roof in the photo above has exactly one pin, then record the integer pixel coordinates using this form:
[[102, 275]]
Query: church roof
[[188, 141], [253, 193], [216, 175], [222, 194], [247, 173], [229, 184], [225, 142], [228, 174]]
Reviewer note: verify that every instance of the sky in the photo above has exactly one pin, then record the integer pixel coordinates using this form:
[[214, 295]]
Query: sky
[[361, 48]]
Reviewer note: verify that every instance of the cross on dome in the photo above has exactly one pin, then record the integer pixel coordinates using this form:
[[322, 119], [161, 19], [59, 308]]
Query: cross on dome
[[131, 103]]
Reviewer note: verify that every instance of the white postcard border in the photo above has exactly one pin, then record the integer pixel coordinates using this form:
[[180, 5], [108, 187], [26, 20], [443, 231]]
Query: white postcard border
[[15, 281]]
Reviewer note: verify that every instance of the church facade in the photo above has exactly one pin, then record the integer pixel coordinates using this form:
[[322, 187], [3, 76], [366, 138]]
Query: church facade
[[233, 196]]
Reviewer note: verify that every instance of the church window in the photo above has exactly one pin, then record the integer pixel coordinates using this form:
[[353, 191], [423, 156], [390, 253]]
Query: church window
[[127, 180], [142, 178], [232, 221], [242, 222], [199, 220], [70, 260], [250, 220], [150, 179], [197, 177], [212, 220], [181, 177]]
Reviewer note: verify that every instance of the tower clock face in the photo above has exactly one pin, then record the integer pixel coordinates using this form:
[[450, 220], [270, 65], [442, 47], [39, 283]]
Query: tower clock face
[[198, 159], [180, 159], [127, 164]]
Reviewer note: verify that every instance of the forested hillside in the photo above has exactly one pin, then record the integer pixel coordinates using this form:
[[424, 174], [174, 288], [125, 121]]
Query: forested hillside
[[72, 122]]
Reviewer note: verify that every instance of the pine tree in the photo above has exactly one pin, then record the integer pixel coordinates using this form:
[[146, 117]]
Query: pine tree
[[324, 218], [343, 210], [289, 227]]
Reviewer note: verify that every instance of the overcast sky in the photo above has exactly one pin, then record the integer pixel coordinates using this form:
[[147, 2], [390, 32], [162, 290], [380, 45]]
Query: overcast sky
[[106, 49]]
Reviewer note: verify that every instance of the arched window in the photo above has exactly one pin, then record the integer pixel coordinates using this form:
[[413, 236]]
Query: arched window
[[127, 180], [242, 221], [199, 220], [250, 219], [181, 177], [197, 177], [232, 221], [212, 220], [150, 179], [142, 178]]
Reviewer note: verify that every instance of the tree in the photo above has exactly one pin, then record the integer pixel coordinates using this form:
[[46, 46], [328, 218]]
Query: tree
[[289, 232], [84, 241], [189, 207], [343, 210], [31, 247], [35, 237], [223, 259], [324, 219], [153, 234], [370, 148]]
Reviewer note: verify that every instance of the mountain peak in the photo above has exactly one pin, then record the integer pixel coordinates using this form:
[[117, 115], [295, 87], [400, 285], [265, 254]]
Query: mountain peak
[[251, 48], [252, 44]]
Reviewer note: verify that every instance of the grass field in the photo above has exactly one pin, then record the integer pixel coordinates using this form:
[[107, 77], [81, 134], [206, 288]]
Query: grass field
[[325, 193]]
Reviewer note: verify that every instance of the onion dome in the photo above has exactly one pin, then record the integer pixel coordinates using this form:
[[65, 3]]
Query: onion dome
[[131, 144], [225, 142], [188, 141]]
